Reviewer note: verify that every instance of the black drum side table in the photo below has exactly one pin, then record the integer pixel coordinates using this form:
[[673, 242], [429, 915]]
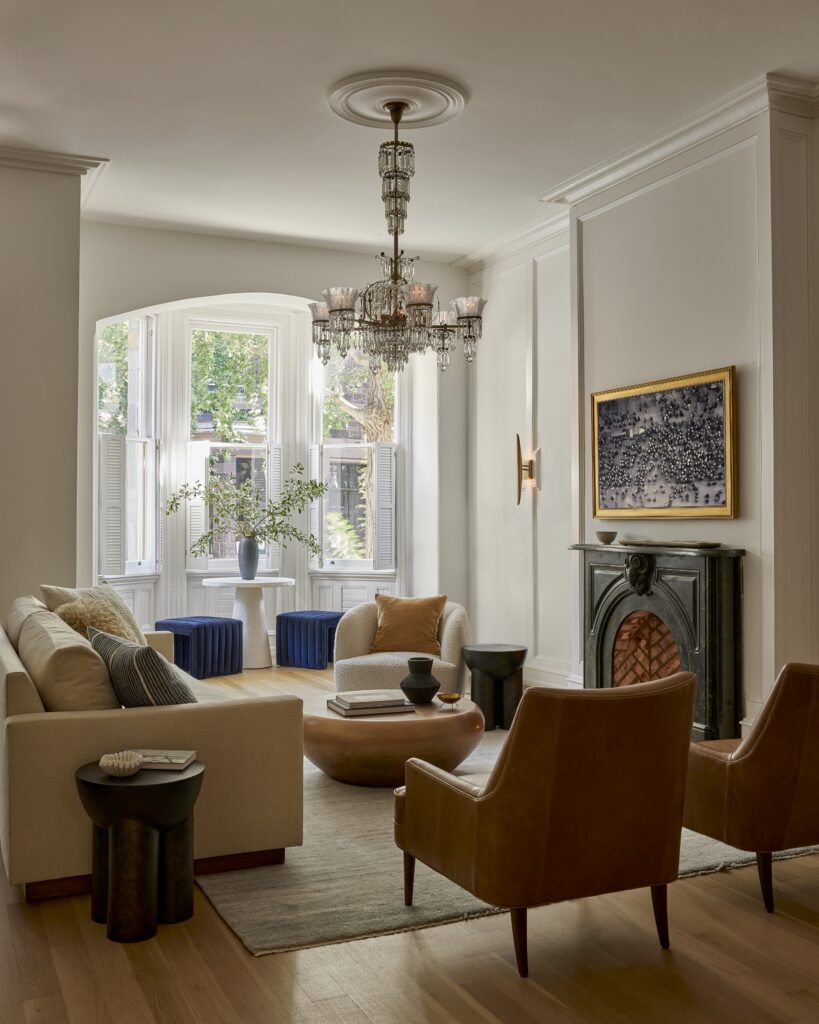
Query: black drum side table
[[142, 847], [497, 681]]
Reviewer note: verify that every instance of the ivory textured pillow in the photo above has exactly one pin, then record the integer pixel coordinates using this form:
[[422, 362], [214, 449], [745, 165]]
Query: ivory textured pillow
[[96, 612], [56, 597], [408, 624]]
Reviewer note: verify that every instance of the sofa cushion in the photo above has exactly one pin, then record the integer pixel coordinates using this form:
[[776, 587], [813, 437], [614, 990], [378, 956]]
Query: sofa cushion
[[97, 612], [68, 673], [54, 597], [140, 676], [408, 624], [18, 613]]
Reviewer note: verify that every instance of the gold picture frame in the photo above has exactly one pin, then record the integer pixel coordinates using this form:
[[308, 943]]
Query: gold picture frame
[[716, 499]]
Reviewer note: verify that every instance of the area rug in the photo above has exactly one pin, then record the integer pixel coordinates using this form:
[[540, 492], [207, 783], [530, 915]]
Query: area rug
[[346, 882]]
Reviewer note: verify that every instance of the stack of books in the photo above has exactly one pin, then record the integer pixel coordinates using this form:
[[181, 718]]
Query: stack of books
[[369, 702]]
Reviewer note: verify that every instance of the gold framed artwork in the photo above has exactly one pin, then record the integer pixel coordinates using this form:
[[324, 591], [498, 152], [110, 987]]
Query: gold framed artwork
[[666, 449]]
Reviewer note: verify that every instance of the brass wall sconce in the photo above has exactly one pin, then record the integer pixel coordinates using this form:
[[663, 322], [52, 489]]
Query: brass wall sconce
[[525, 467]]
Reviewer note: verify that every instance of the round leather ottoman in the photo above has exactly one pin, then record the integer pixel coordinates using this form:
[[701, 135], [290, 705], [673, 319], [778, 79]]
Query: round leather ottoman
[[371, 750]]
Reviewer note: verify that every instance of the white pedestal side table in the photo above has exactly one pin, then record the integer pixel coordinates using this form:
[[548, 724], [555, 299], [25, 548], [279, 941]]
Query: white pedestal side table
[[248, 606]]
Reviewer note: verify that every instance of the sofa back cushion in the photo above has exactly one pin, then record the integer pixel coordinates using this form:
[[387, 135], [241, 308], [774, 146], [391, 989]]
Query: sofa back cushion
[[18, 695], [18, 613], [68, 673], [55, 597]]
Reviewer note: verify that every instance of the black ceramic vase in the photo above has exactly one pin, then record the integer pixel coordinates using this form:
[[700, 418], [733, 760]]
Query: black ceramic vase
[[420, 686], [248, 557]]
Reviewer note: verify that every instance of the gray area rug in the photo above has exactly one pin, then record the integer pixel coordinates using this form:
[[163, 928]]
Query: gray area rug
[[346, 882]]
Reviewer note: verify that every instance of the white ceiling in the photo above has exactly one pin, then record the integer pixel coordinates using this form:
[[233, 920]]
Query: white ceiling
[[213, 113]]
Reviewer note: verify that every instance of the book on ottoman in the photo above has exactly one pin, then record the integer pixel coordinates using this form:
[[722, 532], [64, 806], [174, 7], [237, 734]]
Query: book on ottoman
[[358, 712]]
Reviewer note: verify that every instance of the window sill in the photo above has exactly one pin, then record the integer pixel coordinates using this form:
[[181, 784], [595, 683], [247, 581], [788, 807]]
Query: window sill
[[131, 577], [359, 574]]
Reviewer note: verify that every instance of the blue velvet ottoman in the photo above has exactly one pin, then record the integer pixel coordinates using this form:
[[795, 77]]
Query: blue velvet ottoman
[[306, 639], [204, 645]]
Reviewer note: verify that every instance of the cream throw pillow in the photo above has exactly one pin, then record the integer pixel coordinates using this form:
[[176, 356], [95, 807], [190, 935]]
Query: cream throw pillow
[[67, 671], [54, 597], [408, 624]]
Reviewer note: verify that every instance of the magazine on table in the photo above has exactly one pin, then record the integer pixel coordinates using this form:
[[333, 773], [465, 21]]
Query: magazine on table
[[167, 760]]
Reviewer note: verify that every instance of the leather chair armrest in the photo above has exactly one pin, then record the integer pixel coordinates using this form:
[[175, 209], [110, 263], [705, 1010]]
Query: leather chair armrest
[[436, 821], [706, 794]]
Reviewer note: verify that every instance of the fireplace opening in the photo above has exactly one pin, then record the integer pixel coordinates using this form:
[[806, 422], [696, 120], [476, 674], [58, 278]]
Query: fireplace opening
[[644, 649]]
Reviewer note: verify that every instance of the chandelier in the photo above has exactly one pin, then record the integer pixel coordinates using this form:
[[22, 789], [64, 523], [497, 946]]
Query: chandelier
[[395, 316]]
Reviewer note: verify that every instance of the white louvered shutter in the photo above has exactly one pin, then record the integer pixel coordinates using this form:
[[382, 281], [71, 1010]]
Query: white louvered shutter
[[274, 490], [112, 499], [197, 512], [384, 502], [315, 516]]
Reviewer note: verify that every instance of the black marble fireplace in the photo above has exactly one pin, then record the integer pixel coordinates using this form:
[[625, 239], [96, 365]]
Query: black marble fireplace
[[652, 611]]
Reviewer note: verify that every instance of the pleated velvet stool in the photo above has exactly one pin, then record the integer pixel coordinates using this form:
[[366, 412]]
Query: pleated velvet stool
[[306, 639], [205, 645]]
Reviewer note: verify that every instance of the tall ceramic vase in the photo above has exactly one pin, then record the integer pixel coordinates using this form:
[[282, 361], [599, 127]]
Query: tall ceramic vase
[[420, 686], [248, 557]]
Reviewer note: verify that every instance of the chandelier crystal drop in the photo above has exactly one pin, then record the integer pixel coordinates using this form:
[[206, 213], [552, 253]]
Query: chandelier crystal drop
[[395, 316]]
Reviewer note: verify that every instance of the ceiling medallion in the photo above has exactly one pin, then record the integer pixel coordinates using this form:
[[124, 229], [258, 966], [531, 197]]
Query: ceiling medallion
[[393, 317]]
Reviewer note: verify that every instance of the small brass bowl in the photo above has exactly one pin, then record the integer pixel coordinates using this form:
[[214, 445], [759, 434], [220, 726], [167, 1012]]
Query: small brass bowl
[[449, 698]]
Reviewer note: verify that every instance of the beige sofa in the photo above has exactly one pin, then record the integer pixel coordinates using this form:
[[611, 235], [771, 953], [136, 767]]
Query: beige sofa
[[354, 668], [249, 809]]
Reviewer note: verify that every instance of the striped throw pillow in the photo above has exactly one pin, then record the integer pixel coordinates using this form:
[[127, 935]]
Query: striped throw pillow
[[141, 677]]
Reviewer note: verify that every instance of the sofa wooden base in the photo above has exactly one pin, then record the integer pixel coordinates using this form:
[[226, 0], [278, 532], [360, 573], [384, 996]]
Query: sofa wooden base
[[80, 885]]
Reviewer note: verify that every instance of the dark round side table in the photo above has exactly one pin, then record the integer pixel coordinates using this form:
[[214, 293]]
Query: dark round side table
[[142, 847], [497, 681]]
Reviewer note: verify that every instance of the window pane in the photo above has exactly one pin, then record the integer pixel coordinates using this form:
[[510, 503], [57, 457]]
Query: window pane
[[229, 374], [112, 379], [240, 464], [348, 509], [359, 401], [120, 358]]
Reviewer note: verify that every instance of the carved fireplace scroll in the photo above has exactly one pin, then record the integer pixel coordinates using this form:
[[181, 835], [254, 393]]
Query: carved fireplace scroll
[[649, 612]]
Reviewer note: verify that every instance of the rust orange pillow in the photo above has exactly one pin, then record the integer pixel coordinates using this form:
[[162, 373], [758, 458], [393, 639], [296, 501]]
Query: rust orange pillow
[[408, 624]]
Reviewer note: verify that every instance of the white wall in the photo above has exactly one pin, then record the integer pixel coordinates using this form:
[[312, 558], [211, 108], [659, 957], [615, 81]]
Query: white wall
[[522, 384], [39, 213], [126, 268]]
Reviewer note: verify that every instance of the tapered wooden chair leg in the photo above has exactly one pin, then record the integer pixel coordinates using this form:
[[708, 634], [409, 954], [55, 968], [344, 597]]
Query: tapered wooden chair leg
[[764, 865], [409, 878], [519, 937], [659, 901]]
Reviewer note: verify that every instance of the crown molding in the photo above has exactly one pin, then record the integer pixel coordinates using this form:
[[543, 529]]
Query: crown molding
[[768, 92], [45, 160], [514, 243]]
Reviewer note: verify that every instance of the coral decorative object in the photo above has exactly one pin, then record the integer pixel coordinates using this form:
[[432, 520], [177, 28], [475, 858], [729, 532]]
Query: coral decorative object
[[121, 764]]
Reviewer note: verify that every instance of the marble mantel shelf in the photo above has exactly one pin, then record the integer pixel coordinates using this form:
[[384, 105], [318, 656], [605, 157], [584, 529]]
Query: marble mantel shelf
[[670, 549]]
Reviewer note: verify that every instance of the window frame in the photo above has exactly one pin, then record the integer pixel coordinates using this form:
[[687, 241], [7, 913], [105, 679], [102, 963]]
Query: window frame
[[145, 434], [206, 563]]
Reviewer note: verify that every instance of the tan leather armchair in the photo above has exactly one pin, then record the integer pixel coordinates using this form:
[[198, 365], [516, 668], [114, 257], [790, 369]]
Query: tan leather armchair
[[761, 793], [585, 798]]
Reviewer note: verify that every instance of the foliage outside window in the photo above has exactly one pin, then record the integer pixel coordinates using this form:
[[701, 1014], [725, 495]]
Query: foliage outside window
[[358, 410], [229, 409]]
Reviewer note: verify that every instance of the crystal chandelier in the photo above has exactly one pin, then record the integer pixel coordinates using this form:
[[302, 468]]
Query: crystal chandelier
[[393, 317]]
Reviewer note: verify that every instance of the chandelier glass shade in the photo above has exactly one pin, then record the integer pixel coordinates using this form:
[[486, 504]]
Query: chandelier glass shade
[[395, 316]]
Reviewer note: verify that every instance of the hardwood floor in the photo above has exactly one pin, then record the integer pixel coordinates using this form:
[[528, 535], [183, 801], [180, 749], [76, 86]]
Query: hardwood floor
[[594, 960]]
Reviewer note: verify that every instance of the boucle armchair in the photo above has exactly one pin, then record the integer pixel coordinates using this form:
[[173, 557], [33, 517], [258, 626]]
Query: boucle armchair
[[356, 669], [586, 798], [761, 793]]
